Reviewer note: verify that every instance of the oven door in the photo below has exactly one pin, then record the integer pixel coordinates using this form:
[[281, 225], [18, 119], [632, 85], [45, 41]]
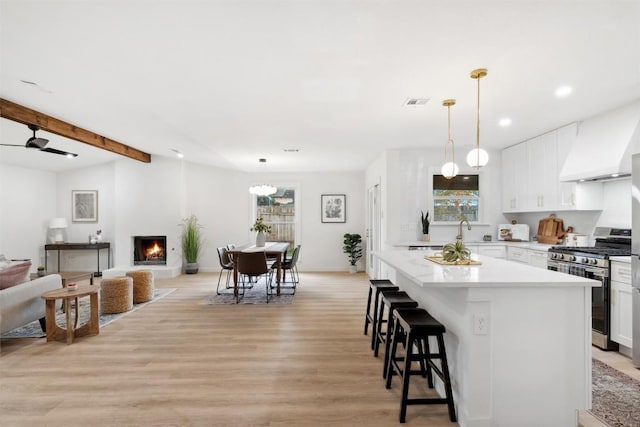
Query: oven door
[[600, 304]]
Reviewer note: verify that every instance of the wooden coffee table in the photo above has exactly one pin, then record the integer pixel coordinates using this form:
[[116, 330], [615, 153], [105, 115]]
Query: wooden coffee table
[[70, 276], [92, 327]]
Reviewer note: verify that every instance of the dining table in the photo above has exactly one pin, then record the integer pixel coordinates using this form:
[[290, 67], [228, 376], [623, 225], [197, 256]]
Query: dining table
[[275, 250]]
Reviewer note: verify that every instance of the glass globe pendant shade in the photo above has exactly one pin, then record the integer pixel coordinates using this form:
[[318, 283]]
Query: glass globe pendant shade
[[477, 158], [449, 170]]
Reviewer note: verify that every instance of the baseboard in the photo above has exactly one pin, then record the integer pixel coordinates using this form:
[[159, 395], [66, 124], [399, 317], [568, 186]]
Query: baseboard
[[159, 271]]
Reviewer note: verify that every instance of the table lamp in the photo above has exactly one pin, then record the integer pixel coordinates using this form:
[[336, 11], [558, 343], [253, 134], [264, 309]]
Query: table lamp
[[58, 225]]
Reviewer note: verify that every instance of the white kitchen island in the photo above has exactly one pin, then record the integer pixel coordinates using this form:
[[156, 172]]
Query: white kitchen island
[[518, 337]]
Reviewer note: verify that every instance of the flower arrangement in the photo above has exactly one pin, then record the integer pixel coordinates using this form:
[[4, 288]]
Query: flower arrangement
[[261, 226]]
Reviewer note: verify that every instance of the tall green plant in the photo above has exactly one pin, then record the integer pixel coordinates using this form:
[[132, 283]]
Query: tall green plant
[[191, 238], [352, 247]]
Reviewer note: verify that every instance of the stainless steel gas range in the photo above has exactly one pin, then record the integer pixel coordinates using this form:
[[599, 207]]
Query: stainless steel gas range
[[593, 262]]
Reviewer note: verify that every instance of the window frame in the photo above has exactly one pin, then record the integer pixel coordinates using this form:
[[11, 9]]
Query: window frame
[[482, 189], [253, 215]]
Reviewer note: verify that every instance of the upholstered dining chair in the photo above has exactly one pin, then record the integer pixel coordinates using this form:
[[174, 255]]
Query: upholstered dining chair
[[225, 265], [290, 265], [253, 265]]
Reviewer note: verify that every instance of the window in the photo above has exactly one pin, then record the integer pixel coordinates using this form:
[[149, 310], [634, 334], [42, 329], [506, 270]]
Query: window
[[279, 211], [456, 198]]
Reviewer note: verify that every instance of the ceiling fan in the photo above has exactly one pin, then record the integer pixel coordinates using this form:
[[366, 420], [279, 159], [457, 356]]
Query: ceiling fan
[[40, 144]]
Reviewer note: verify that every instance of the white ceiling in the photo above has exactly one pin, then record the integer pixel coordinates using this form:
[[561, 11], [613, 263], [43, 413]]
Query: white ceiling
[[227, 82]]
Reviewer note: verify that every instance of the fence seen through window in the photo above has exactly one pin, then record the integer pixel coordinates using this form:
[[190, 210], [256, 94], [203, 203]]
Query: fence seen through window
[[279, 211]]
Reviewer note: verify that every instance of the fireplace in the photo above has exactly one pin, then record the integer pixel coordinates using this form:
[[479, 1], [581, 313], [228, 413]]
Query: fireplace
[[149, 250]]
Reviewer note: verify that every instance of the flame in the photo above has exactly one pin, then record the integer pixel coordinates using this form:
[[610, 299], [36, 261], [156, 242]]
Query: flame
[[154, 251]]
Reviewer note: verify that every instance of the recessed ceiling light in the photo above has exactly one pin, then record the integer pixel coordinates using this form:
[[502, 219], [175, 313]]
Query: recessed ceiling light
[[178, 153], [563, 91], [291, 150], [504, 122], [615, 175]]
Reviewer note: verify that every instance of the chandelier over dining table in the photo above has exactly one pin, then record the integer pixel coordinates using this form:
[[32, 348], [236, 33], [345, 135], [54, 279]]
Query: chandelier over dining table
[[262, 189]]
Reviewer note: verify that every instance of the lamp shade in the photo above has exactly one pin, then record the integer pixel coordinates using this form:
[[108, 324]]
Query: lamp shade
[[449, 170], [477, 158], [58, 223]]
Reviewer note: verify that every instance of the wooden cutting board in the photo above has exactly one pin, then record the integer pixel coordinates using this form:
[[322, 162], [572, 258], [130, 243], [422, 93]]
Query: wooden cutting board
[[550, 230], [439, 260]]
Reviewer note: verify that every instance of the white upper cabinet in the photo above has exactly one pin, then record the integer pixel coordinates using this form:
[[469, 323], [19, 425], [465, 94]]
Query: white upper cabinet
[[531, 176], [515, 172]]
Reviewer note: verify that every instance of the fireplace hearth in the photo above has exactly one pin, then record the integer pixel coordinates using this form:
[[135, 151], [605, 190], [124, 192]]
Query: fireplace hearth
[[149, 250]]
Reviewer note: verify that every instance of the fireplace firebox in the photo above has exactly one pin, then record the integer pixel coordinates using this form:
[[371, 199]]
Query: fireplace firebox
[[149, 250]]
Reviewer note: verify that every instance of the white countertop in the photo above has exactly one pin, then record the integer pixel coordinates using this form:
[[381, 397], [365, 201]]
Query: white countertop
[[493, 273], [529, 245], [625, 259]]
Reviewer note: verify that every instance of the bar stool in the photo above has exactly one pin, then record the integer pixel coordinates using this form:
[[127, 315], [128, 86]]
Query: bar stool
[[418, 326], [392, 300], [375, 286]]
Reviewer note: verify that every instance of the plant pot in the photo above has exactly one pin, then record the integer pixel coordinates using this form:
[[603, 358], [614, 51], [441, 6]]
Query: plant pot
[[41, 273], [261, 238], [191, 268], [353, 269], [426, 238]]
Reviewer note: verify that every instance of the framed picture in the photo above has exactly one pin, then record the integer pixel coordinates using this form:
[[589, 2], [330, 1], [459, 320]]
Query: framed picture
[[84, 205], [334, 207]]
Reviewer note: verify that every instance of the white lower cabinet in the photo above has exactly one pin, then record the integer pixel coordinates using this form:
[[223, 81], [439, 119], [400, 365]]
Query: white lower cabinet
[[497, 251], [518, 254], [537, 258], [621, 315]]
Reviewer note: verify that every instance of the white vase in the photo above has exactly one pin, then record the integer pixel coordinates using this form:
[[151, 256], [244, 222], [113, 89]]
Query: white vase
[[261, 238], [353, 269]]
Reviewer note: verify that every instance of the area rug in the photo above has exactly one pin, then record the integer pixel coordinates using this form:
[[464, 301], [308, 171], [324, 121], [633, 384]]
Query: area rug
[[255, 295], [33, 330], [616, 396]]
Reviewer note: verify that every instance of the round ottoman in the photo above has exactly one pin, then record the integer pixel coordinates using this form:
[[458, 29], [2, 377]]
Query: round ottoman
[[116, 294], [142, 285]]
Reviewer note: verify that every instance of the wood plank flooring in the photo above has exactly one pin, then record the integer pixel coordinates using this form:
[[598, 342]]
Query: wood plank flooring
[[178, 363]]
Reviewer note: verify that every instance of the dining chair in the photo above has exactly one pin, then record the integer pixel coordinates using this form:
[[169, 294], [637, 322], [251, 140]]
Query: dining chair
[[254, 265], [290, 265], [226, 265]]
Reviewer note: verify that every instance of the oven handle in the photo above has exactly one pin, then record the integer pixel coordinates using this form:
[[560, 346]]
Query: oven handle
[[599, 272]]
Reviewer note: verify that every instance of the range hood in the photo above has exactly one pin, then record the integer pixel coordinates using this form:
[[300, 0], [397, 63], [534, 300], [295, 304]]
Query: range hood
[[603, 146]]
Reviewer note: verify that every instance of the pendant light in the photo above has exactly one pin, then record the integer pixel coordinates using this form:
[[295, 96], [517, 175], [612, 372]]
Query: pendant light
[[262, 189], [478, 157], [449, 169]]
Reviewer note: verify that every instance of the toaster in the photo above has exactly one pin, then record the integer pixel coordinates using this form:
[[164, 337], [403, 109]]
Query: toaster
[[517, 232]]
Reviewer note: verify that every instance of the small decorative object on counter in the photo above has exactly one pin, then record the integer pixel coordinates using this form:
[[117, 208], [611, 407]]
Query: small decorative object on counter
[[41, 271], [424, 219], [72, 286], [486, 237]]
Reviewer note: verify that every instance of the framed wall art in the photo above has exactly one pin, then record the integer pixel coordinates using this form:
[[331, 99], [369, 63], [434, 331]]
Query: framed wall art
[[84, 205], [334, 207]]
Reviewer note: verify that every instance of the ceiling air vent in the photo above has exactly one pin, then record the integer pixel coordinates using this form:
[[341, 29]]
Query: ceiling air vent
[[416, 102]]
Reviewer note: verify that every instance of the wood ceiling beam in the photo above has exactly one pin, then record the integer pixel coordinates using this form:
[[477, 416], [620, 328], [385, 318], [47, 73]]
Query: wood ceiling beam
[[18, 113]]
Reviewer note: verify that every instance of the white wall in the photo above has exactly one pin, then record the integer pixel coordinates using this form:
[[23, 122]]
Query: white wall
[[151, 199], [409, 191], [27, 204]]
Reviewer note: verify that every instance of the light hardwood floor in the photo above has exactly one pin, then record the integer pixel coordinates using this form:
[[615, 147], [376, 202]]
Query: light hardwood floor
[[178, 363]]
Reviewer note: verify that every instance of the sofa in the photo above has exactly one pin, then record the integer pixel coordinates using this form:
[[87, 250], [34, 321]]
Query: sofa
[[21, 302]]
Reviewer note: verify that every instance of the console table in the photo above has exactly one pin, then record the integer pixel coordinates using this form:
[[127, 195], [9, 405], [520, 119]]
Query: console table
[[79, 246]]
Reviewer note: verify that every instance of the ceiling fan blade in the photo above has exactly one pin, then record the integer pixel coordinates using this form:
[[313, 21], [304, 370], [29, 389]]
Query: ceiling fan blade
[[12, 145], [54, 151]]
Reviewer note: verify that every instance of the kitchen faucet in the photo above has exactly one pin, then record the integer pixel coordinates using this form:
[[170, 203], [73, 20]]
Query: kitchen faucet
[[459, 236]]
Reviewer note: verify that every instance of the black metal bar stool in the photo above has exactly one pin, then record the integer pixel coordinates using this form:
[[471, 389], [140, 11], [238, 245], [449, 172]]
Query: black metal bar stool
[[391, 300], [416, 326], [375, 286]]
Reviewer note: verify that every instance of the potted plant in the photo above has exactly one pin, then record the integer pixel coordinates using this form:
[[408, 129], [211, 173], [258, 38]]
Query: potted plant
[[191, 243], [41, 271], [261, 228], [353, 250], [424, 220], [456, 253]]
